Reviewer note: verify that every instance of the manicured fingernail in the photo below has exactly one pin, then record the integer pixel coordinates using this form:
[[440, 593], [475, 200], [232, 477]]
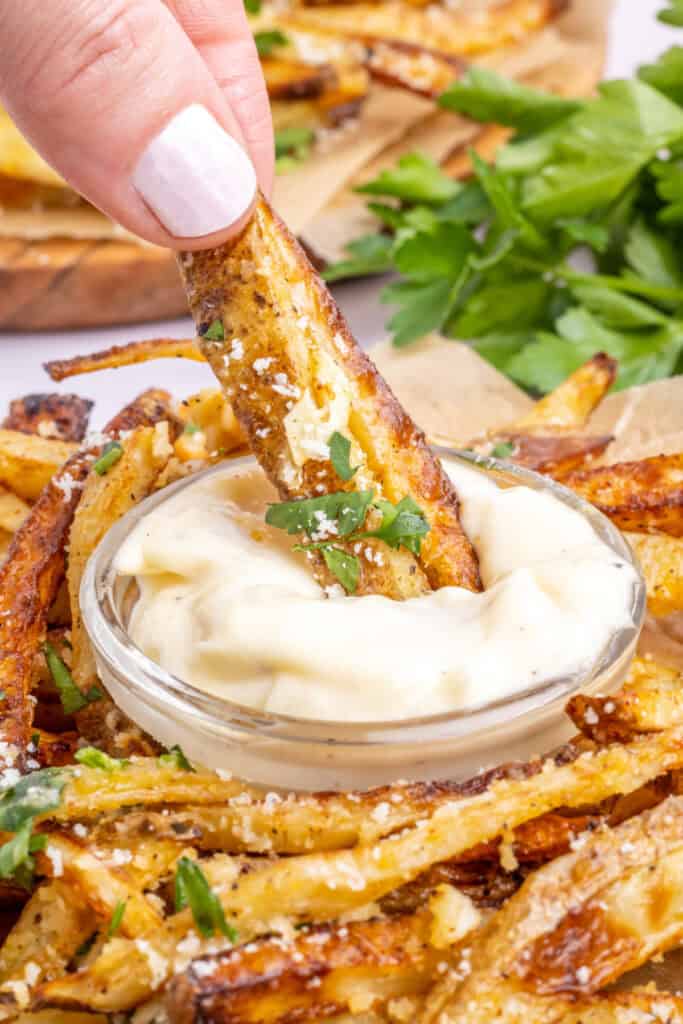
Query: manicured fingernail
[[194, 175]]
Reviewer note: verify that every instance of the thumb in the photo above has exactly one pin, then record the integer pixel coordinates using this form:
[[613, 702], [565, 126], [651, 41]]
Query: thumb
[[124, 103]]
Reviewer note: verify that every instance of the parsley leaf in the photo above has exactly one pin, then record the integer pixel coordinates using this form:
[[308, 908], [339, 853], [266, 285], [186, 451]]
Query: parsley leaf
[[72, 698], [269, 40], [673, 14], [347, 510], [502, 450], [343, 565], [370, 254], [487, 96], [176, 757], [403, 525], [252, 6], [666, 74], [668, 175], [34, 794], [340, 451], [91, 757], [416, 178], [215, 331], [192, 889], [653, 257], [16, 851], [116, 918]]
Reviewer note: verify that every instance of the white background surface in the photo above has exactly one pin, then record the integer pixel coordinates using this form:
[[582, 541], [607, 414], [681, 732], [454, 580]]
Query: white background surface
[[635, 37]]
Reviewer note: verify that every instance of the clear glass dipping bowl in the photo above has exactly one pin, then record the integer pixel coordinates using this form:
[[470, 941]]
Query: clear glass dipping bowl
[[282, 752]]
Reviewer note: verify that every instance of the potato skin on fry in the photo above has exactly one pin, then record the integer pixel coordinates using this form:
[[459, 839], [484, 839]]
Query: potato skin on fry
[[643, 497], [61, 417], [124, 355], [323, 972], [570, 405], [299, 346]]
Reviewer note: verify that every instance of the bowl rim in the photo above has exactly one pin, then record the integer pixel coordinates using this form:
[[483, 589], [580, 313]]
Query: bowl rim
[[155, 686]]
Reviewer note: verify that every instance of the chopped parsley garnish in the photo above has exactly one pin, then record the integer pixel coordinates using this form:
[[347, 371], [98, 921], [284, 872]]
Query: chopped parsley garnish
[[341, 515], [116, 918], [340, 451], [72, 698], [15, 855], [503, 450], [111, 453], [345, 511], [252, 6], [35, 739], [215, 331], [91, 757], [175, 756], [34, 794], [191, 428], [403, 525], [193, 890], [269, 40], [2, 694]]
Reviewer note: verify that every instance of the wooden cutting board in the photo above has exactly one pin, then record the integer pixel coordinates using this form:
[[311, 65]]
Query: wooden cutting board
[[57, 284]]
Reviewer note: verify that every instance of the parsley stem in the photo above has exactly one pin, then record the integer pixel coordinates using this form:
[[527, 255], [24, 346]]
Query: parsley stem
[[111, 453]]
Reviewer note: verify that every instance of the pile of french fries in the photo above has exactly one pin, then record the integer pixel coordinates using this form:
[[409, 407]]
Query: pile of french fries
[[137, 886], [518, 896]]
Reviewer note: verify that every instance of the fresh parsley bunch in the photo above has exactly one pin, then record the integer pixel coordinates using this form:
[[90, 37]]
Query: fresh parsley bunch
[[568, 245]]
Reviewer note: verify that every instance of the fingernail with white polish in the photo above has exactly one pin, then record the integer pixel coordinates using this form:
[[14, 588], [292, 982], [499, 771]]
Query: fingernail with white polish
[[194, 176]]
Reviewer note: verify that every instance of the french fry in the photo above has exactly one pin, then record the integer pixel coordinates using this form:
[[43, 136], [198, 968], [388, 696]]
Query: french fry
[[90, 792], [319, 887], [616, 896], [61, 417], [210, 414], [413, 67], [50, 929], [646, 708], [661, 560], [289, 78], [54, 750], [642, 497], [550, 438], [323, 972], [570, 406], [284, 341], [646, 1006], [31, 574], [552, 454], [108, 876], [28, 463], [13, 511], [105, 499], [124, 355], [440, 29], [5, 541], [29, 579]]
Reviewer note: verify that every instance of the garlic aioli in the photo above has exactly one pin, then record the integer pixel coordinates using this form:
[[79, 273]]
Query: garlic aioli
[[227, 606]]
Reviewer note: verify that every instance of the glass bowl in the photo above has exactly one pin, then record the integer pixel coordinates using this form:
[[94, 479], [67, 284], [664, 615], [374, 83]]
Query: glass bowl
[[283, 752]]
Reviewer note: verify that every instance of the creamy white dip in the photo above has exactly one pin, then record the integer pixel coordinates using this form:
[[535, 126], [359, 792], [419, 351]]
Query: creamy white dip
[[226, 605]]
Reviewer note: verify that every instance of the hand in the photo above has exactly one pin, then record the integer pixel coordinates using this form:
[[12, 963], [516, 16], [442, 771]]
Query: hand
[[148, 108]]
